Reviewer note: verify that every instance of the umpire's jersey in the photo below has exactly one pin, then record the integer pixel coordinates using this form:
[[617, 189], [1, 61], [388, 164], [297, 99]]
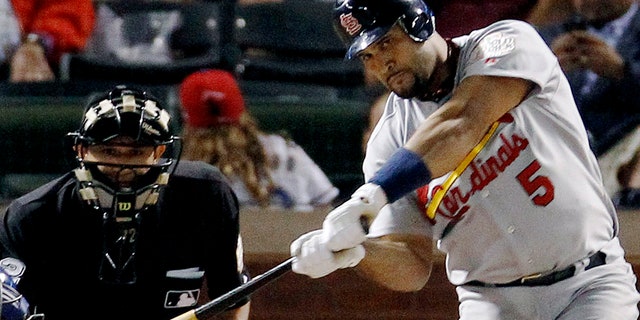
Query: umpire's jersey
[[192, 234]]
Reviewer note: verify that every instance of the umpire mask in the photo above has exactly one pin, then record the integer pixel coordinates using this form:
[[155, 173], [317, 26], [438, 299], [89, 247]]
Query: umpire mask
[[125, 152]]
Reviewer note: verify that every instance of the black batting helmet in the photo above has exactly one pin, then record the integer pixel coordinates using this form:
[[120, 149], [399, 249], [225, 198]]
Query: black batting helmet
[[125, 111], [359, 23]]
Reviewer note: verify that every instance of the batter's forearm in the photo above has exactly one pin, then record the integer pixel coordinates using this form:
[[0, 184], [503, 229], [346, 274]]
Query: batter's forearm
[[395, 265]]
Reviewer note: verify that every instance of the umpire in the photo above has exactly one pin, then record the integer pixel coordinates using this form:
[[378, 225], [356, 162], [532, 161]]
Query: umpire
[[131, 233]]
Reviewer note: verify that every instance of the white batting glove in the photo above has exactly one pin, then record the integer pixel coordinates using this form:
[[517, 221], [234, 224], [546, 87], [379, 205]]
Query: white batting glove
[[346, 226], [315, 260]]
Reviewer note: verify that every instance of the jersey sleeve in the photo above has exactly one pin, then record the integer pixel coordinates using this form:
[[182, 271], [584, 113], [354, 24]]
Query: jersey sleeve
[[507, 48], [403, 216]]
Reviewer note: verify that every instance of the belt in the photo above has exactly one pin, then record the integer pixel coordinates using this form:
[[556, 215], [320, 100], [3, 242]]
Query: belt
[[596, 260]]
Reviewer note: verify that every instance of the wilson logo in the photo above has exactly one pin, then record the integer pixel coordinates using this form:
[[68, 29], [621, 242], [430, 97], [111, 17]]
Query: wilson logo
[[124, 206], [350, 24], [150, 130]]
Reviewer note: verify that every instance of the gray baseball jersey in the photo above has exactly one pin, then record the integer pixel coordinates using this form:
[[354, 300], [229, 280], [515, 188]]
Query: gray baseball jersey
[[532, 199]]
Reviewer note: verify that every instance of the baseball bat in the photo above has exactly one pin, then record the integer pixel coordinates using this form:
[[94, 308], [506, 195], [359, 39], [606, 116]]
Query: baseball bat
[[216, 306]]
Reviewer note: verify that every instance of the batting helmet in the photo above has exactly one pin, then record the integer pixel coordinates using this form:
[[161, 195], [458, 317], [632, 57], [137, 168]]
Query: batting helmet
[[128, 112], [359, 23]]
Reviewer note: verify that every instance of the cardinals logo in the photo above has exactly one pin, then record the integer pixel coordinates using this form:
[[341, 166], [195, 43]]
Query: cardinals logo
[[350, 24]]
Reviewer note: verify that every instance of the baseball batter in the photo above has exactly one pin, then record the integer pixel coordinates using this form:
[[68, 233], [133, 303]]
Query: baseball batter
[[481, 149]]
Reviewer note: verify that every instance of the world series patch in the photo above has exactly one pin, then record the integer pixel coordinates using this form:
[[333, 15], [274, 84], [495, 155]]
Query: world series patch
[[496, 45]]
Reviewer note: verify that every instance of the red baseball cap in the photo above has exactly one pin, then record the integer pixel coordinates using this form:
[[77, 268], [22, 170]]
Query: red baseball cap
[[210, 97]]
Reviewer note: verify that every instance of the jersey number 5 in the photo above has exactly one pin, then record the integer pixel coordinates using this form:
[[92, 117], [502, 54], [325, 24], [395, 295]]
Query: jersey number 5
[[532, 183]]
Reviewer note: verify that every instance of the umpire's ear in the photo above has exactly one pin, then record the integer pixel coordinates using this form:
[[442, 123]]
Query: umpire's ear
[[80, 150], [159, 151]]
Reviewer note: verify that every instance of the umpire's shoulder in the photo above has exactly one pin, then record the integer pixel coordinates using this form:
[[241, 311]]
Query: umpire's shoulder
[[198, 170]]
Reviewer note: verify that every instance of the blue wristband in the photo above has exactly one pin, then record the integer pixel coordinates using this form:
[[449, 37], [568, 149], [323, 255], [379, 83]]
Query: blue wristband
[[404, 172]]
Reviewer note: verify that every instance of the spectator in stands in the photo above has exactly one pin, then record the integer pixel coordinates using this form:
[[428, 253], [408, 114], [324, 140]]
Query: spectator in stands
[[598, 50], [264, 169], [35, 34], [458, 17], [549, 12], [629, 179]]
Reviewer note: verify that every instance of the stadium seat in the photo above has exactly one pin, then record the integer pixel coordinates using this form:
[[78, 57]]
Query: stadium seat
[[155, 43], [293, 41]]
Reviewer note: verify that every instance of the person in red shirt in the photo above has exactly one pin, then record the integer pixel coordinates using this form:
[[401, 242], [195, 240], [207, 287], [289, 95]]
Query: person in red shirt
[[36, 33]]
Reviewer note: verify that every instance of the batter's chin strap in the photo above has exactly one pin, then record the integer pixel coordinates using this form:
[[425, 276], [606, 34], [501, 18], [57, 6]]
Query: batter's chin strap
[[121, 222]]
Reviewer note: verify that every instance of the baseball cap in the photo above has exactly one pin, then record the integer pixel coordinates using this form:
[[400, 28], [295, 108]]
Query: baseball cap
[[211, 97]]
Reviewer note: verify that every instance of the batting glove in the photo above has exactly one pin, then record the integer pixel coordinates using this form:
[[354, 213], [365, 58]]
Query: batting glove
[[347, 225], [315, 260]]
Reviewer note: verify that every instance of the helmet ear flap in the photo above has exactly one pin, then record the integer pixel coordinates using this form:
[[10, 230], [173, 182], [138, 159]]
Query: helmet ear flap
[[419, 27]]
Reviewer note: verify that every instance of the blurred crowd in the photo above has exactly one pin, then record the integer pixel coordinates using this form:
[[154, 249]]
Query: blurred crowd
[[594, 40]]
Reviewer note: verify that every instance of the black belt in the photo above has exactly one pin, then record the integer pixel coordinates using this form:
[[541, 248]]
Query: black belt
[[595, 260]]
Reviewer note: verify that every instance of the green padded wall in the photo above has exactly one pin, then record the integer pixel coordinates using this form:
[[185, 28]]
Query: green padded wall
[[35, 148]]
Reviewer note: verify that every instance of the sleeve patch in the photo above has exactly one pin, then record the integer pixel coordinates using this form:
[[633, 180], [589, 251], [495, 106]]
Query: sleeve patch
[[496, 45]]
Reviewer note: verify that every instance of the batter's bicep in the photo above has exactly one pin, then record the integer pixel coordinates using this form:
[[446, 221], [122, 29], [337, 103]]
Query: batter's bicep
[[449, 134]]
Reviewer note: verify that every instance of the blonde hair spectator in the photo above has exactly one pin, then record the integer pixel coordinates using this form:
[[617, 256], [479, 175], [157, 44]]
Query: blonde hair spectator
[[264, 169]]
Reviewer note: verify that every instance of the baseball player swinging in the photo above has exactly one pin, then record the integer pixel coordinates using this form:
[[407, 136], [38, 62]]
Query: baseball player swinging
[[481, 149]]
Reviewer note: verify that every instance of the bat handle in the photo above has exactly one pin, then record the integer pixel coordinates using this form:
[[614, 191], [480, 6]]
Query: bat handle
[[190, 315], [219, 304]]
